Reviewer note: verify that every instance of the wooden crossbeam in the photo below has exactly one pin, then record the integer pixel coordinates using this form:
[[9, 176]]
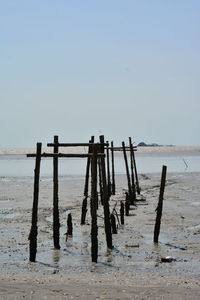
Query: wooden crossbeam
[[127, 148], [74, 144], [70, 155]]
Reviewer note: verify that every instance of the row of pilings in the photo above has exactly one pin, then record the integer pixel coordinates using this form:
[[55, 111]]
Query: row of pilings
[[99, 183]]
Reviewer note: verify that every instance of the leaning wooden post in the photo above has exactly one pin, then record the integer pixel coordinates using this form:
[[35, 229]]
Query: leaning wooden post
[[106, 207], [108, 169], [127, 204], [56, 221], [113, 224], [135, 168], [160, 205], [100, 180], [113, 169], [34, 231], [132, 171], [94, 199], [88, 169], [84, 203], [122, 213], [131, 199]]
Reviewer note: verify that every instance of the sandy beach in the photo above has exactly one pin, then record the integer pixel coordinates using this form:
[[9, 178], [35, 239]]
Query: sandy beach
[[132, 270]]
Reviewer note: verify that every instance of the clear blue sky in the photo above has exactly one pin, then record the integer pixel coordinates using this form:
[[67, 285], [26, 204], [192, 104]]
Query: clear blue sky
[[88, 67]]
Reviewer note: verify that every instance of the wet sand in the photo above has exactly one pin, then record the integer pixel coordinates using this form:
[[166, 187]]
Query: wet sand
[[133, 270]]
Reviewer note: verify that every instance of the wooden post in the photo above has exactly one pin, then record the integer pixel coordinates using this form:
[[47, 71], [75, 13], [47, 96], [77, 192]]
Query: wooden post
[[113, 224], [84, 203], [131, 199], [113, 169], [69, 225], [127, 204], [88, 169], [56, 221], [84, 210], [135, 168], [34, 231], [108, 169], [132, 171], [122, 213], [160, 205], [100, 180], [94, 199], [105, 199]]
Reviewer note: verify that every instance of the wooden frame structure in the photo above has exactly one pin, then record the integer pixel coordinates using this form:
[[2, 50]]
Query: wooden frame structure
[[95, 153], [132, 181]]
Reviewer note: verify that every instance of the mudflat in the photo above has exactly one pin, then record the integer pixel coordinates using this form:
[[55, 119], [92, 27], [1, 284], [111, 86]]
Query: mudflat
[[132, 270]]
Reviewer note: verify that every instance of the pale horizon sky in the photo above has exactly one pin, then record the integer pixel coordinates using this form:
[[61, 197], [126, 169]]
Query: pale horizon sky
[[84, 67]]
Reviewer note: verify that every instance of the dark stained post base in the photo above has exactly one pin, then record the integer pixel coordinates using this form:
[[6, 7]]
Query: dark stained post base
[[122, 213]]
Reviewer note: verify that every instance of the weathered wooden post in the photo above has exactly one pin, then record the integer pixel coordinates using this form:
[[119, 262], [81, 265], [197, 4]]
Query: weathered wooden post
[[84, 210], [84, 203], [130, 192], [88, 168], [160, 205], [135, 168], [127, 204], [100, 180], [34, 231], [122, 213], [94, 199], [113, 169], [132, 171], [105, 198], [56, 221], [108, 169], [113, 224], [69, 225]]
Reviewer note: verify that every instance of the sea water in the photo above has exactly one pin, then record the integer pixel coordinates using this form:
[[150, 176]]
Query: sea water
[[20, 165]]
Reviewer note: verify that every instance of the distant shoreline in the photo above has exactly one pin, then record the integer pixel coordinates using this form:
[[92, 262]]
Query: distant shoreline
[[193, 150], [188, 150]]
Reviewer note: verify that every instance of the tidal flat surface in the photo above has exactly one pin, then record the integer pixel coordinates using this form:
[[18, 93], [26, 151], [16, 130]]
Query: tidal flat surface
[[132, 270]]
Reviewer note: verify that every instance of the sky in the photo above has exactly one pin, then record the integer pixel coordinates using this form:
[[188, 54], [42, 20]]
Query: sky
[[122, 68]]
